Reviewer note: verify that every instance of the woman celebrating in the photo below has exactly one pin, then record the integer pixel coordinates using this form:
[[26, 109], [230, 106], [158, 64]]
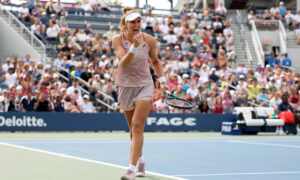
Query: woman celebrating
[[134, 49]]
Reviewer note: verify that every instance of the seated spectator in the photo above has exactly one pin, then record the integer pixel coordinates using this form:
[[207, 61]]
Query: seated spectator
[[71, 105], [289, 19], [36, 13], [95, 5], [30, 5], [171, 38], [104, 5], [10, 104], [10, 77], [251, 8], [7, 65], [50, 8], [24, 13], [27, 103], [203, 107], [52, 32], [106, 45], [58, 105], [263, 97], [86, 106], [59, 9], [43, 104], [111, 33], [275, 102], [296, 20], [218, 105]]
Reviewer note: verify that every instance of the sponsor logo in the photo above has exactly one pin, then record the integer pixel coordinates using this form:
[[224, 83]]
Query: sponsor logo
[[226, 128], [175, 121], [26, 121]]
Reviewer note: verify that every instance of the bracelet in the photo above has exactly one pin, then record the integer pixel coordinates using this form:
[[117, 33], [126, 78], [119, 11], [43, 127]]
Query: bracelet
[[162, 80], [132, 49]]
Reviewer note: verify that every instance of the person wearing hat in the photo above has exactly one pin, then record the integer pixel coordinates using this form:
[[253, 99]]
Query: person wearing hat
[[111, 33], [58, 105], [263, 97], [282, 9], [136, 88], [7, 65], [86, 106]]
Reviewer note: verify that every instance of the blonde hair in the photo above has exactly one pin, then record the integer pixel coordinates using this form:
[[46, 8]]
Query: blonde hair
[[126, 10]]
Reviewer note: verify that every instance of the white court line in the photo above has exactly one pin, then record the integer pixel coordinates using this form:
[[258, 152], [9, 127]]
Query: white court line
[[84, 159], [146, 141], [265, 144], [236, 174]]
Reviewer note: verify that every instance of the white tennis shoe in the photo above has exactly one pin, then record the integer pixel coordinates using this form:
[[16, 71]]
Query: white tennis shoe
[[130, 175], [140, 172]]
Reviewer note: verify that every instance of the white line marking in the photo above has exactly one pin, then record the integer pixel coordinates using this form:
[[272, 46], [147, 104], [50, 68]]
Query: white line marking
[[83, 159], [236, 174], [264, 144]]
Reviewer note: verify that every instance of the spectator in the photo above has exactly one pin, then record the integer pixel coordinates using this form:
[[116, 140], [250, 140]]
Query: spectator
[[43, 104], [71, 89], [251, 8], [50, 8], [27, 103], [59, 9], [10, 77], [24, 13], [218, 105], [272, 60], [227, 103], [86, 106], [203, 107], [263, 97], [275, 102], [7, 65], [10, 104], [285, 61], [254, 90], [58, 105], [282, 9], [111, 33]]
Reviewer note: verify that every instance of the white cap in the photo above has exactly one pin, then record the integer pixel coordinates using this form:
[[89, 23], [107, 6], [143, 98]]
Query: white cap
[[52, 15], [103, 56], [55, 76], [62, 89], [132, 16], [44, 13], [268, 65], [106, 76], [97, 76], [271, 78], [19, 87], [201, 41], [241, 76], [281, 2], [176, 47], [208, 27], [86, 96], [185, 76]]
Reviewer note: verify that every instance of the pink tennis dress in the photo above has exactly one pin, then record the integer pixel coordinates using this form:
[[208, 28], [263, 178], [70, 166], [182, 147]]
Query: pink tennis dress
[[135, 82]]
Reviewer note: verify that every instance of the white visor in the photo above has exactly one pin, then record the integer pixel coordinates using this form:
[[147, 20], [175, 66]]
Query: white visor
[[132, 16]]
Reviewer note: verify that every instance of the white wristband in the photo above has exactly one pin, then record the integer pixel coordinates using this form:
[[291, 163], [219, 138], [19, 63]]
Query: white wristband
[[132, 49], [162, 80]]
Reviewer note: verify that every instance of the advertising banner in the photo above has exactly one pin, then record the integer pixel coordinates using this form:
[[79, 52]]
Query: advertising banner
[[109, 122]]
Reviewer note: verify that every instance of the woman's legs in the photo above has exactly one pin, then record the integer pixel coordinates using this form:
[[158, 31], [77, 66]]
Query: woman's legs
[[141, 111]]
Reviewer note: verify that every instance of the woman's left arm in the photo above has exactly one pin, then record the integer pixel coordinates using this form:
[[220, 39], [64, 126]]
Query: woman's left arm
[[158, 69]]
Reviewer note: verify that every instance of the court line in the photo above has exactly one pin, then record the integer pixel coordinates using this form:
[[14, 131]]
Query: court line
[[83, 159], [265, 144], [236, 174], [146, 141]]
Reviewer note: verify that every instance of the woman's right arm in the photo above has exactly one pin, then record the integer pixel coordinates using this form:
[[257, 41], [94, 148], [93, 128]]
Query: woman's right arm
[[125, 58]]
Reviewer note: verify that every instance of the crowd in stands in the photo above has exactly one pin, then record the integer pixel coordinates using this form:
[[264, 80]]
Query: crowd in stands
[[196, 51]]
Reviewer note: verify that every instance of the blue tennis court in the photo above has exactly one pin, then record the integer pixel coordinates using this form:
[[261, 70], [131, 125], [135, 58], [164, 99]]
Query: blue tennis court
[[212, 158]]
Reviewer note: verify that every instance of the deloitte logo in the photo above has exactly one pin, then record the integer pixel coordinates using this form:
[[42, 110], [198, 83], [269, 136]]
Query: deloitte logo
[[26, 121]]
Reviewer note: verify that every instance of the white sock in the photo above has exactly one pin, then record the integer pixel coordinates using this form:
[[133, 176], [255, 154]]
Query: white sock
[[141, 159], [132, 167]]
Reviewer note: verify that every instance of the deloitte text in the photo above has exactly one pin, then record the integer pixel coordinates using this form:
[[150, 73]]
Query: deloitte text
[[175, 121], [26, 121]]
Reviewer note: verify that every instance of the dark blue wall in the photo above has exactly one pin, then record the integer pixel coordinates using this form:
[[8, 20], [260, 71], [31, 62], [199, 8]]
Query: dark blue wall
[[109, 122]]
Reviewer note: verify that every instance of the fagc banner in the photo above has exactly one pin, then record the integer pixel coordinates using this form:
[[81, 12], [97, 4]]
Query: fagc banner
[[109, 122]]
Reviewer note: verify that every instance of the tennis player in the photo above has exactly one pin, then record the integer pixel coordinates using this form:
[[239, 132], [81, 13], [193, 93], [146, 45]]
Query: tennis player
[[134, 49]]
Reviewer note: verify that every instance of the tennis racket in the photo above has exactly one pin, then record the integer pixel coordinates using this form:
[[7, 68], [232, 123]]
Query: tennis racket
[[177, 102]]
